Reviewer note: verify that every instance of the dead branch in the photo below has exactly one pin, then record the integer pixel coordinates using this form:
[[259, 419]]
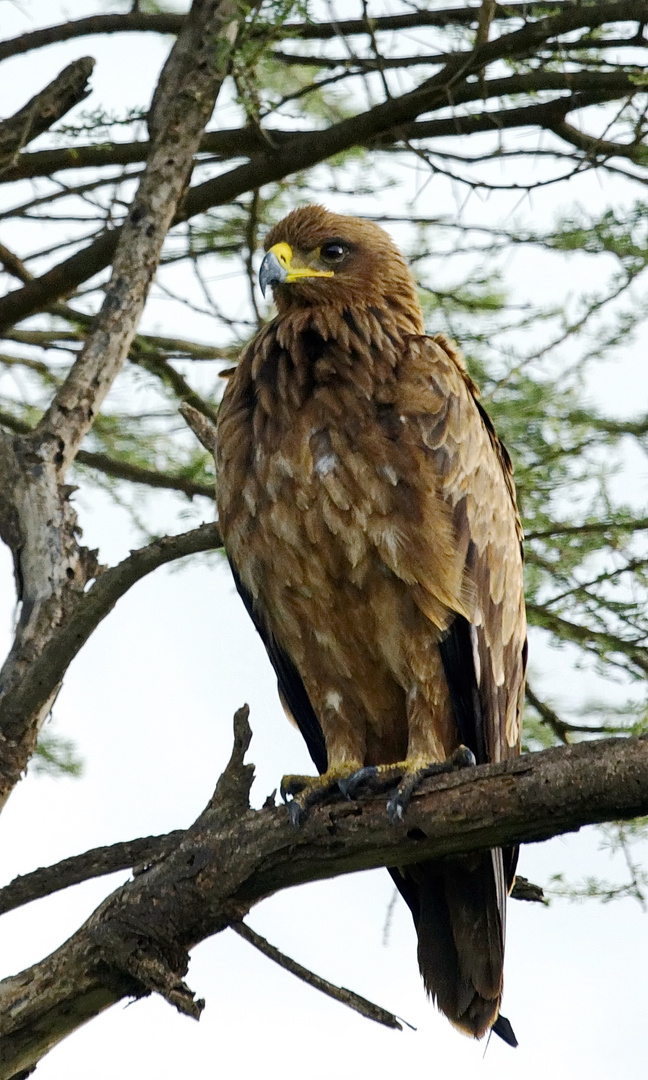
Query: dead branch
[[137, 941], [97, 862], [38, 115], [338, 993]]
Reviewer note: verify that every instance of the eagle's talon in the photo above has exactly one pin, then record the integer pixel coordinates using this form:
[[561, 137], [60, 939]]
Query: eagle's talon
[[395, 808], [463, 758], [293, 785], [296, 813], [350, 785]]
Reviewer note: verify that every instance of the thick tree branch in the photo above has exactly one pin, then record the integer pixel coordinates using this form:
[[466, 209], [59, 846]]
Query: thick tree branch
[[182, 104], [52, 570], [138, 939], [38, 115]]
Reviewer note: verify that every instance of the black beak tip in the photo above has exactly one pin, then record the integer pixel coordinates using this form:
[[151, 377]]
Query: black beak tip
[[271, 272]]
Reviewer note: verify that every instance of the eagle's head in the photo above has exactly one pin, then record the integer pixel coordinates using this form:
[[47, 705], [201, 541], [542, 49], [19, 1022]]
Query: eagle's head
[[315, 257]]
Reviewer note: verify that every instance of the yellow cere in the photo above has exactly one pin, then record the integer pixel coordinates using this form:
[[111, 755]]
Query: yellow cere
[[284, 255]]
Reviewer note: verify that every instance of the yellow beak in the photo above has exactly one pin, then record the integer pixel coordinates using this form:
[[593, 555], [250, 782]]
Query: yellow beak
[[277, 268]]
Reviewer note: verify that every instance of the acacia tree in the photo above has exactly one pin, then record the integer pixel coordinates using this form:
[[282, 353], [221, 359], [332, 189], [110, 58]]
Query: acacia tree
[[324, 109]]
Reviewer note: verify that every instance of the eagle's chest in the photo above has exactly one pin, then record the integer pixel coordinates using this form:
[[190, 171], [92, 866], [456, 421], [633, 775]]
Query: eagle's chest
[[311, 500]]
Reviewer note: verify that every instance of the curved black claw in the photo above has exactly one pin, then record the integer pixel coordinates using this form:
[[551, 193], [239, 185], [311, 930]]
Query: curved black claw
[[462, 758], [292, 785], [300, 793], [350, 785], [296, 813]]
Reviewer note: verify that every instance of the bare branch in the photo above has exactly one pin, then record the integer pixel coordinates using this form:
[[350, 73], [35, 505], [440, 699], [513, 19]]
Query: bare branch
[[95, 24], [171, 24], [95, 863], [242, 142], [137, 941], [339, 993], [202, 427], [61, 95], [387, 120], [26, 696], [124, 470]]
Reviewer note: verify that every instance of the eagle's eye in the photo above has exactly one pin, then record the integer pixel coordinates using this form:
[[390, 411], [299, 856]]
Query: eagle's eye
[[334, 251]]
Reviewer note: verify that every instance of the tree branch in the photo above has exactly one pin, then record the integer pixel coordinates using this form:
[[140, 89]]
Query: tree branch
[[97, 862], [124, 470], [38, 115], [182, 104], [596, 640], [52, 570], [138, 22], [243, 142], [47, 668], [338, 993], [137, 941], [606, 527], [304, 151]]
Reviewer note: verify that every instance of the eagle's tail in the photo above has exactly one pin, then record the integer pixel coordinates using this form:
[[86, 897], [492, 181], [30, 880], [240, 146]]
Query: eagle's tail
[[459, 910]]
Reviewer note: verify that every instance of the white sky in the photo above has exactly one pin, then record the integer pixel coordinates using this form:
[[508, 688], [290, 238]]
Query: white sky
[[149, 704]]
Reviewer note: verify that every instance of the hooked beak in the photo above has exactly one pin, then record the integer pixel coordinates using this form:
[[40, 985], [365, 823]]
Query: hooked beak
[[277, 268]]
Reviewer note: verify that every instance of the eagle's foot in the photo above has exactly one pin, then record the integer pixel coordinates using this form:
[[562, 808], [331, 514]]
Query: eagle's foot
[[303, 792], [412, 778]]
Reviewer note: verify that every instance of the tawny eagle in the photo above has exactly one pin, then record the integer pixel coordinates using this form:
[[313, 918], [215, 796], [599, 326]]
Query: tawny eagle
[[368, 512]]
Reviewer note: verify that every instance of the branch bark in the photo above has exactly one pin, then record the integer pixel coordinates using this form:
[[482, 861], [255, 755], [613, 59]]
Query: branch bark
[[138, 22], [38, 115], [138, 940], [30, 696], [36, 517]]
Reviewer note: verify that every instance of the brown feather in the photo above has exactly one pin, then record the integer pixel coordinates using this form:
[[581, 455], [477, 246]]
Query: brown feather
[[366, 504]]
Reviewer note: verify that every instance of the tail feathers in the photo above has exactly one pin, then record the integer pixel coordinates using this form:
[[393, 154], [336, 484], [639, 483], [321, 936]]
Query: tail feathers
[[458, 909]]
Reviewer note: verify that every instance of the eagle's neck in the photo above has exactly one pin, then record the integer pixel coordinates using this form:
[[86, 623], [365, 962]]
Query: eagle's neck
[[328, 352]]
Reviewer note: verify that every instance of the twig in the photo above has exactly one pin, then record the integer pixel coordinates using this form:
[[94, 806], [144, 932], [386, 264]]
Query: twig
[[339, 993]]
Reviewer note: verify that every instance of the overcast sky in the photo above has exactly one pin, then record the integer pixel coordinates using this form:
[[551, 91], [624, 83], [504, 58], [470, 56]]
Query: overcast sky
[[149, 704]]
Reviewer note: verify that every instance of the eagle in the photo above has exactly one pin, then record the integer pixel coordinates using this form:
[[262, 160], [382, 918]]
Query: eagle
[[368, 513]]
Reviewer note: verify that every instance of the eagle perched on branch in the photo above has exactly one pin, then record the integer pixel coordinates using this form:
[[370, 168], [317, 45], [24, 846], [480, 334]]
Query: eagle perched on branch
[[368, 512]]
